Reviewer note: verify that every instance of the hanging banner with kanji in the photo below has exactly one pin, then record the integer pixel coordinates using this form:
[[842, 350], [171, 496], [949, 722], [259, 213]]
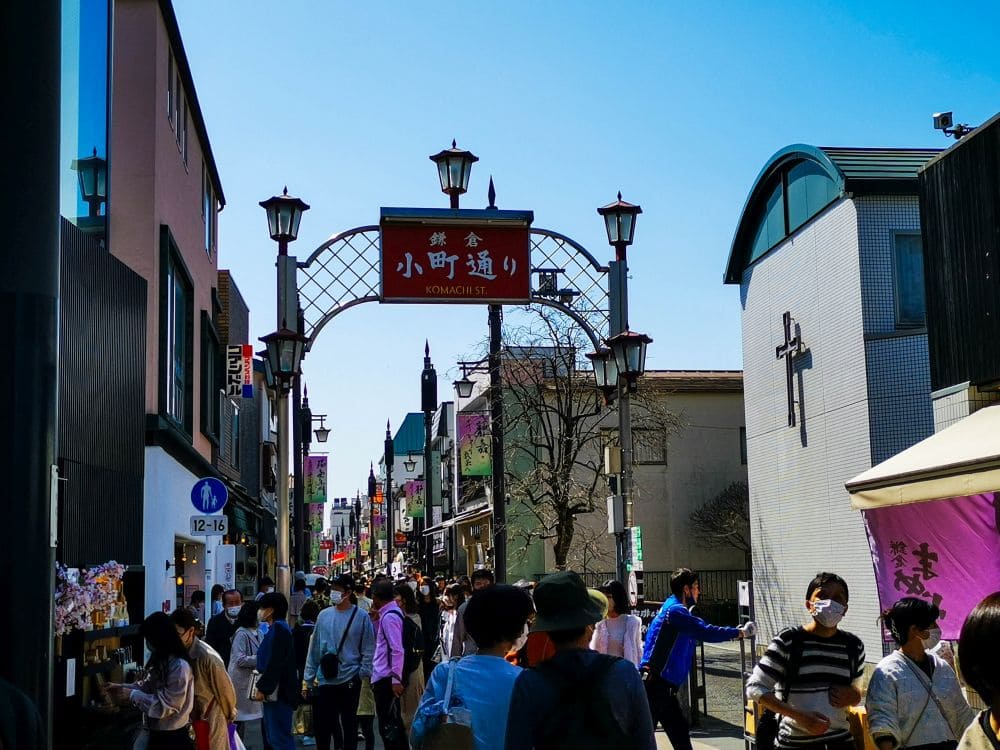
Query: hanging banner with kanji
[[314, 548], [239, 371], [434, 480], [314, 478], [474, 445], [316, 517], [944, 551], [414, 492], [432, 255]]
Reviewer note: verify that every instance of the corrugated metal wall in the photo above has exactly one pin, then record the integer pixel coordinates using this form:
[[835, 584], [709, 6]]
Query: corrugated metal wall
[[102, 363]]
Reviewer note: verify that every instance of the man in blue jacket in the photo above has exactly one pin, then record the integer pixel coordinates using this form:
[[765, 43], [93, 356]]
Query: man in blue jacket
[[669, 651]]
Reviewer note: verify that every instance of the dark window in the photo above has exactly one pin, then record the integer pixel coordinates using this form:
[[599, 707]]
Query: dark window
[[908, 271], [183, 141], [771, 229], [178, 95], [176, 336], [211, 378], [649, 447], [171, 92], [810, 189], [743, 446], [234, 436], [208, 209]]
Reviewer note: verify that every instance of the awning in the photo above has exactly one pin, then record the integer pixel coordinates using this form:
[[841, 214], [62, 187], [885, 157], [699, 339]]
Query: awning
[[469, 515], [962, 460]]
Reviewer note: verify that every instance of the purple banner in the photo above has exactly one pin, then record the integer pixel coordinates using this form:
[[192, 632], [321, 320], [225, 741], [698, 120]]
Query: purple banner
[[944, 551]]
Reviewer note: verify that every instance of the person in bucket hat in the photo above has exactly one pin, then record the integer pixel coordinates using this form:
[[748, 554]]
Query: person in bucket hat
[[577, 699]]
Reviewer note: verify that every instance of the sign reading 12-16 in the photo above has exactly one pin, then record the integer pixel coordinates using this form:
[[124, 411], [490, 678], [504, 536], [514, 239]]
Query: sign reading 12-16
[[436, 255]]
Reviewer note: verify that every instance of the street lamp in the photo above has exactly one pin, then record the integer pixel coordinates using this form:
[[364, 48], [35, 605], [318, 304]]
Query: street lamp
[[454, 167], [92, 172], [605, 373], [389, 456], [464, 387], [285, 349], [428, 405], [322, 432], [284, 212], [619, 221], [269, 379], [629, 351], [409, 463]]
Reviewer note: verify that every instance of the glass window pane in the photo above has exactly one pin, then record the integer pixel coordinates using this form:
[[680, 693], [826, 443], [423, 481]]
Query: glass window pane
[[810, 189], [771, 229], [908, 260]]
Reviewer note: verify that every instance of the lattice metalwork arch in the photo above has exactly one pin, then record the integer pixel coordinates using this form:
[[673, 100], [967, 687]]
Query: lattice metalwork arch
[[344, 272]]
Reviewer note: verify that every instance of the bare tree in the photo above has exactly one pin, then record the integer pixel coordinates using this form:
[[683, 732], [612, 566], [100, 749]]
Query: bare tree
[[555, 429], [724, 521]]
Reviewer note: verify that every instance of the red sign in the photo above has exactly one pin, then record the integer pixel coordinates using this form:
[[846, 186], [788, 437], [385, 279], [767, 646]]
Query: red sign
[[456, 262], [326, 544], [338, 557], [320, 570]]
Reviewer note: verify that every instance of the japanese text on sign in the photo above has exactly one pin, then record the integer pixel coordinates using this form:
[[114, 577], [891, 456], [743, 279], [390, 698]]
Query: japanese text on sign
[[455, 263], [239, 371]]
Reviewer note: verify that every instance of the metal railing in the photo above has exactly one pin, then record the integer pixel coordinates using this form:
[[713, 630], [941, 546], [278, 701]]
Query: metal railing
[[716, 585]]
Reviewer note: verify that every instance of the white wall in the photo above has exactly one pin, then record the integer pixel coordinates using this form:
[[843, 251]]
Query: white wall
[[801, 516], [167, 511]]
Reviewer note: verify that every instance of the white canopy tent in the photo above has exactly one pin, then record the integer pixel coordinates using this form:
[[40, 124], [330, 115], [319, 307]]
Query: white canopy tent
[[962, 460]]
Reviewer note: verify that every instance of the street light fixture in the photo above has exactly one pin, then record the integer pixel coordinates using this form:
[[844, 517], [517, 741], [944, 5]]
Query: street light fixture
[[605, 373], [284, 212], [92, 173], [322, 432], [464, 387], [619, 221], [409, 463], [285, 349], [454, 167], [269, 379], [629, 349]]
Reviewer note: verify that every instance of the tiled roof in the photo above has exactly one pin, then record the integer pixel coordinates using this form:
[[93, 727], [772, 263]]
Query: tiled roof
[[718, 381]]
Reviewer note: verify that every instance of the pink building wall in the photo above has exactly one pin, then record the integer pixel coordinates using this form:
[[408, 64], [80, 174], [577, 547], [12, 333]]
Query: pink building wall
[[152, 186]]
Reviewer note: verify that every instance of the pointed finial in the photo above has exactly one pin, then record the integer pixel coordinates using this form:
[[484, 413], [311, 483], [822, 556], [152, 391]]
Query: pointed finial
[[427, 348], [285, 191], [95, 150], [305, 390], [619, 195], [492, 194], [453, 144]]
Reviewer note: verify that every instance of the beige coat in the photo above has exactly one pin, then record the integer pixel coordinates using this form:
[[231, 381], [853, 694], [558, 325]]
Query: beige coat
[[213, 691]]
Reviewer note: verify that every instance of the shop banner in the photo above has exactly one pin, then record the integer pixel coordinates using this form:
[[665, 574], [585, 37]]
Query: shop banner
[[434, 480], [314, 548], [945, 551], [315, 517], [474, 445], [314, 479], [239, 371], [414, 491]]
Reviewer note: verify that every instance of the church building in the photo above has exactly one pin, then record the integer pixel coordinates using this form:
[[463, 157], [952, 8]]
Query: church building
[[827, 255]]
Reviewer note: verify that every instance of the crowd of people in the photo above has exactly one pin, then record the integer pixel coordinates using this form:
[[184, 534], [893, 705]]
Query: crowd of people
[[431, 663]]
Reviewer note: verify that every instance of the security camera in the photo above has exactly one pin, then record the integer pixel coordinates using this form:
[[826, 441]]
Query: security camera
[[943, 120]]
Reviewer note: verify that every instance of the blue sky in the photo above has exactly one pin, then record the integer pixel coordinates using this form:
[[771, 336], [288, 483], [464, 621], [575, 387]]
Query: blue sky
[[678, 105]]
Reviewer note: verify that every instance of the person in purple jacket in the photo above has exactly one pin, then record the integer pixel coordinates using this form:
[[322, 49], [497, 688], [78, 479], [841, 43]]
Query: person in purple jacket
[[387, 665], [668, 652]]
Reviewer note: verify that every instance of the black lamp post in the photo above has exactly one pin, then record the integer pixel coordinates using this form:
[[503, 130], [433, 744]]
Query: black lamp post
[[285, 349], [629, 350], [372, 493], [428, 404], [284, 212], [619, 221], [605, 373], [454, 167], [389, 456], [92, 172]]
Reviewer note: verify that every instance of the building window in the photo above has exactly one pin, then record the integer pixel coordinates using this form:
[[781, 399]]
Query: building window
[[176, 350], [771, 229], [649, 447], [908, 273], [183, 140], [178, 95], [211, 378], [234, 436], [171, 91], [810, 189], [743, 446], [208, 212]]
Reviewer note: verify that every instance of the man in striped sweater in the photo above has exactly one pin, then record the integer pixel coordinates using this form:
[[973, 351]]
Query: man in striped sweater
[[816, 670]]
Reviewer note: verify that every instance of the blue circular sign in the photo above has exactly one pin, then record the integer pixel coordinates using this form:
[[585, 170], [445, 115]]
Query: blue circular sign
[[209, 495]]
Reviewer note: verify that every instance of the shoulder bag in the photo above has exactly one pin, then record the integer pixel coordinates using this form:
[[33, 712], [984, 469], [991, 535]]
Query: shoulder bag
[[929, 686], [454, 731], [330, 661]]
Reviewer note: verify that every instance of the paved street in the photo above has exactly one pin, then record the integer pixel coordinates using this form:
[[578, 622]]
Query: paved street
[[720, 730]]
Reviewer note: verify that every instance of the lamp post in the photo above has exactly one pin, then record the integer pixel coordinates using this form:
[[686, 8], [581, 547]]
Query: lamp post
[[285, 349], [302, 426], [389, 456], [92, 172], [454, 167], [428, 404], [372, 493], [629, 353]]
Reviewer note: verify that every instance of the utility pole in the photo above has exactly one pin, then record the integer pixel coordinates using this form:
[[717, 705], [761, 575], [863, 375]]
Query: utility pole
[[428, 404]]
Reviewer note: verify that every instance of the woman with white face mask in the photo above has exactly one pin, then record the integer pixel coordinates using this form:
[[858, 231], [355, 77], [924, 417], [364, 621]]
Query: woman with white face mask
[[620, 633], [430, 621], [497, 619], [914, 699]]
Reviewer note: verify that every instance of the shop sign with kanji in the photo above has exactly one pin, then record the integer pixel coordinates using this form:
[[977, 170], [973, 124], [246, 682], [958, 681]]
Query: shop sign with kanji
[[436, 255]]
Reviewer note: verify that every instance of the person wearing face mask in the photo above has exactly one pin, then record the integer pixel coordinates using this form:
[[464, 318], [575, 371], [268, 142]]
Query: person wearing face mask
[[620, 633], [214, 696], [339, 659], [430, 621], [242, 663], [914, 699], [668, 653], [497, 619], [578, 698], [279, 676], [222, 627], [816, 670]]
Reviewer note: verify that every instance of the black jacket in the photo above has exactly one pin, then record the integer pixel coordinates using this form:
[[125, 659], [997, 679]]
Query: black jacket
[[219, 635], [281, 672]]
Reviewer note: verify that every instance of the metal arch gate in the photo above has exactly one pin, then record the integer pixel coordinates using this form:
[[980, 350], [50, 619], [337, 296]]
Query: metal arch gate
[[345, 271]]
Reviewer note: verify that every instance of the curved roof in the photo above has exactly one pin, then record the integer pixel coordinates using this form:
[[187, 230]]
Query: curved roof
[[853, 171]]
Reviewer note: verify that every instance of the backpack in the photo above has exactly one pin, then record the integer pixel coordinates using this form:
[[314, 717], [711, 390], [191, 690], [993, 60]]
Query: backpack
[[769, 723], [413, 646], [581, 717]]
